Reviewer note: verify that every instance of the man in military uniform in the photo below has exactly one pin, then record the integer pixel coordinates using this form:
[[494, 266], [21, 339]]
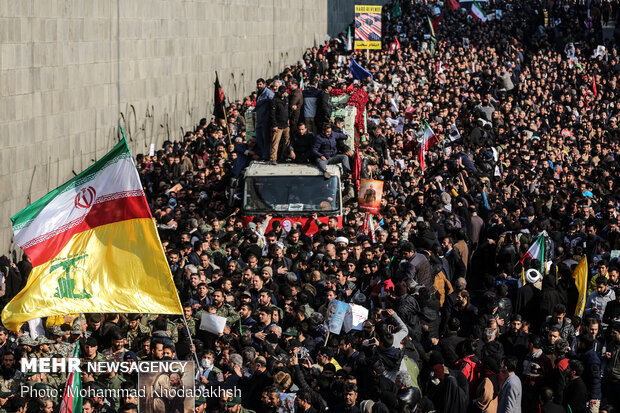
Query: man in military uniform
[[135, 332], [91, 354], [189, 319], [57, 379], [100, 404], [224, 309], [201, 404], [233, 405], [113, 381], [78, 333], [38, 381], [42, 347], [27, 343], [118, 350], [60, 346]]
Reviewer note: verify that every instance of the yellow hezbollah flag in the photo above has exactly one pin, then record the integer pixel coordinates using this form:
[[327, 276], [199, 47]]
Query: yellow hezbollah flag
[[94, 248], [581, 282]]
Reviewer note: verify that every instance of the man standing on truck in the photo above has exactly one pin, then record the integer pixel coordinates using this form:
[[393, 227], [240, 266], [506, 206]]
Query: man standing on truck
[[295, 104], [325, 152], [279, 123], [324, 106], [310, 97], [263, 105]]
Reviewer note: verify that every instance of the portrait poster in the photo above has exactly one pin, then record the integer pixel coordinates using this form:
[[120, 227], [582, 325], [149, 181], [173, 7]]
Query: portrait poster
[[370, 195], [336, 311], [167, 387], [287, 402]]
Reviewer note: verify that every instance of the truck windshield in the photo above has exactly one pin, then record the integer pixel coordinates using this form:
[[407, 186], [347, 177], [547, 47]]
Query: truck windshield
[[263, 194]]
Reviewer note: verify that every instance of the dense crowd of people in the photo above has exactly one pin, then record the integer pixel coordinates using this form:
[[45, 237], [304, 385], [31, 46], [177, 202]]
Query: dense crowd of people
[[525, 107]]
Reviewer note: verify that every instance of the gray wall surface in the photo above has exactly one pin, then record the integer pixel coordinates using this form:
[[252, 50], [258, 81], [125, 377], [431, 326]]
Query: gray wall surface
[[72, 70]]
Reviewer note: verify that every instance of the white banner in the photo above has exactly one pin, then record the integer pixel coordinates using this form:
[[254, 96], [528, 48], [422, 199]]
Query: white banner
[[212, 323]]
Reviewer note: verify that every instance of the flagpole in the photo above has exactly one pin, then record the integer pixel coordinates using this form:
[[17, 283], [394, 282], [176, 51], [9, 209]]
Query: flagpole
[[226, 119], [191, 342]]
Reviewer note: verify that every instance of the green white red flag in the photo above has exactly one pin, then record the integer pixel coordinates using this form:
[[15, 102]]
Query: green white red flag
[[429, 139], [349, 40], [72, 399], [477, 12], [537, 251]]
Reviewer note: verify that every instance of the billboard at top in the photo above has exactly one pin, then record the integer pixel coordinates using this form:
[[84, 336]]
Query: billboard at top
[[367, 27]]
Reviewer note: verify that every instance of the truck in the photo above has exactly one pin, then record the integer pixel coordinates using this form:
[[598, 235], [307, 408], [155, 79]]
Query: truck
[[291, 193]]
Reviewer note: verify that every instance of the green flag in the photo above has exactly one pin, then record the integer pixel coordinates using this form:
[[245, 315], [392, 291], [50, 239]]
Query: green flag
[[396, 9]]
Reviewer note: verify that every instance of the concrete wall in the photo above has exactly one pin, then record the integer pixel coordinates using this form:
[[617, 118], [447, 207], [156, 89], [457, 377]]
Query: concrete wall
[[72, 70]]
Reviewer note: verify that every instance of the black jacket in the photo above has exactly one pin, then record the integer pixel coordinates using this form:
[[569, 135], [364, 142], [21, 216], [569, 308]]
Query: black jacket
[[323, 110], [302, 145], [456, 267], [527, 304], [515, 343], [552, 408], [279, 111], [252, 389], [448, 346], [576, 395], [316, 398], [408, 309]]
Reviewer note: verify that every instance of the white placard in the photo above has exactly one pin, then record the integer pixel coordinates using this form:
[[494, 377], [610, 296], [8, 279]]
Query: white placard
[[355, 317], [152, 150], [212, 323]]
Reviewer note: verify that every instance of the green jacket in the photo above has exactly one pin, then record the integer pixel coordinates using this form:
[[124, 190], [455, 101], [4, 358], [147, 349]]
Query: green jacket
[[115, 384], [135, 337], [226, 310]]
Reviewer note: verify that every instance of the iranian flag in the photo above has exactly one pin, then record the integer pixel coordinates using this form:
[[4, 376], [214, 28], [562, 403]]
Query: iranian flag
[[477, 12], [429, 139], [368, 227], [537, 251], [72, 399]]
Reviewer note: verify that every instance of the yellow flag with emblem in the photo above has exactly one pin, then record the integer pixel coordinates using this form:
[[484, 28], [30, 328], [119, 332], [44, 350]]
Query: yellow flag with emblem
[[94, 248]]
